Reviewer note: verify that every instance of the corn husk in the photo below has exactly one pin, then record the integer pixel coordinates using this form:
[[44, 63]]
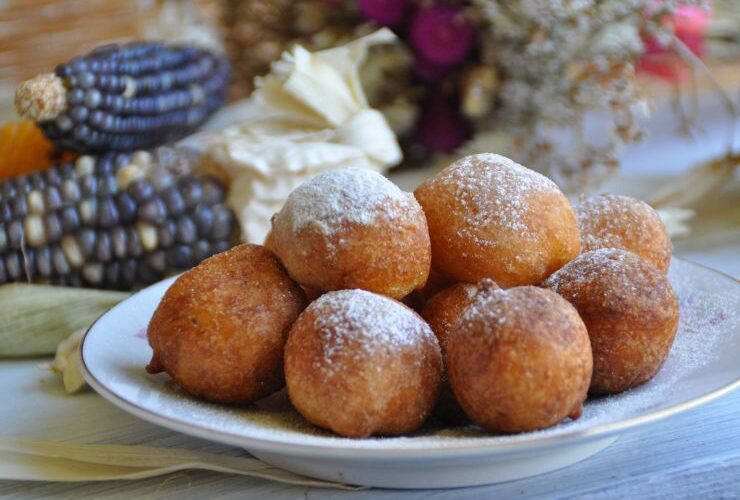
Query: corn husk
[[34, 319], [68, 361], [33, 460], [696, 185], [677, 221]]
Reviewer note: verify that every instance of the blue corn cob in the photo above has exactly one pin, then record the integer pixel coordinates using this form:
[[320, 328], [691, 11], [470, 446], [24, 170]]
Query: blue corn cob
[[114, 221], [126, 97]]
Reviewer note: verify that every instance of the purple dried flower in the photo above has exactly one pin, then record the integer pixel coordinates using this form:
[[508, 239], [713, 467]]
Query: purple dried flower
[[440, 35], [383, 12], [441, 126]]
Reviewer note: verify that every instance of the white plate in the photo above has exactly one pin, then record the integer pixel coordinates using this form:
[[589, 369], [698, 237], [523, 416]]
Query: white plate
[[703, 365]]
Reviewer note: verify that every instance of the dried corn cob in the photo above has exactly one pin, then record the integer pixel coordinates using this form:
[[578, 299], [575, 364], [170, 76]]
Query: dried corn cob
[[115, 221], [126, 97]]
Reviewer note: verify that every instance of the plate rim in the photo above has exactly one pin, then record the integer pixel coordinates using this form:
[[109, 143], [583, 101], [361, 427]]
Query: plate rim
[[396, 452]]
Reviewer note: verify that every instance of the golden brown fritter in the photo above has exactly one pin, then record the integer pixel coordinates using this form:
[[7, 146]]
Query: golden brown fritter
[[630, 311], [492, 218], [615, 221], [353, 228], [362, 364], [442, 312], [221, 327], [519, 359]]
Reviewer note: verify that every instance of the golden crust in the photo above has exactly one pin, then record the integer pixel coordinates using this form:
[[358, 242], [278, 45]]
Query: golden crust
[[615, 221], [444, 309], [492, 218], [361, 364], [221, 327], [436, 282], [391, 255], [269, 242], [520, 359], [630, 311], [442, 312]]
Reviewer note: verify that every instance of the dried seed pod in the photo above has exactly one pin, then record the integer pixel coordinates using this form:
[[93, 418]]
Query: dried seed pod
[[121, 236], [126, 97]]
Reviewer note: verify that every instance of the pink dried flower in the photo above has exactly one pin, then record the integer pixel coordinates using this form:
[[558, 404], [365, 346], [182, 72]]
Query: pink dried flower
[[689, 23], [441, 36], [441, 126], [383, 12]]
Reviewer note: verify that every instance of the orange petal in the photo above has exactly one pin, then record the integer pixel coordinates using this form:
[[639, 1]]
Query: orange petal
[[23, 149]]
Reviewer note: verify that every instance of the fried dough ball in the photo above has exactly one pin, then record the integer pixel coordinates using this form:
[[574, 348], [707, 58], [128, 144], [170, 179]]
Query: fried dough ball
[[269, 242], [359, 364], [492, 218], [221, 327], [353, 228], [614, 221], [444, 309], [436, 282], [630, 311], [519, 359], [442, 312]]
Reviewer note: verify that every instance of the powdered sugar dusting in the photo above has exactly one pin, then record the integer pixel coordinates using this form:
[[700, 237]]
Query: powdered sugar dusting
[[351, 195], [613, 265], [703, 359], [367, 324], [494, 190], [610, 220], [492, 303]]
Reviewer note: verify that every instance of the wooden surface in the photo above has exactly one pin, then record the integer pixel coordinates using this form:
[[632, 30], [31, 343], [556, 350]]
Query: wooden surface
[[694, 455]]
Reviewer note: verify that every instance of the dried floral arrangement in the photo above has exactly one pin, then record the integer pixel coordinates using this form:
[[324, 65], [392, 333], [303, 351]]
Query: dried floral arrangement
[[522, 77]]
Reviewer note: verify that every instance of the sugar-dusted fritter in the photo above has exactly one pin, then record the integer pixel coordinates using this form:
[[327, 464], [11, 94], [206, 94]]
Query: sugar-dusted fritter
[[353, 228], [221, 327], [630, 311], [362, 364], [490, 217], [442, 312], [616, 221], [519, 359], [445, 309]]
